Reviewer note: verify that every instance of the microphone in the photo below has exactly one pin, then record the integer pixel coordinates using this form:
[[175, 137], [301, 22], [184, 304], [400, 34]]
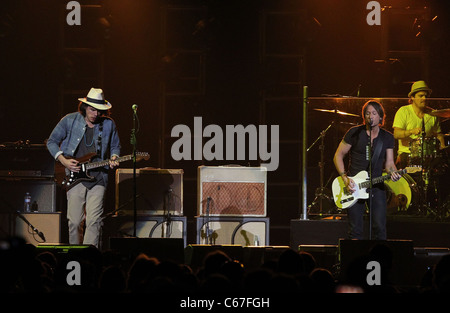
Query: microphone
[[134, 107], [369, 122]]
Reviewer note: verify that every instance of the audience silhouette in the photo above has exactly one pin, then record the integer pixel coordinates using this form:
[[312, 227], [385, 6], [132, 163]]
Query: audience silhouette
[[26, 269]]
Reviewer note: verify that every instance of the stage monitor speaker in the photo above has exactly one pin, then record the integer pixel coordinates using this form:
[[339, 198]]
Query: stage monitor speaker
[[151, 226], [195, 253], [255, 257], [165, 249], [159, 191], [49, 224], [425, 258], [231, 191], [245, 231], [326, 256], [397, 255], [43, 194]]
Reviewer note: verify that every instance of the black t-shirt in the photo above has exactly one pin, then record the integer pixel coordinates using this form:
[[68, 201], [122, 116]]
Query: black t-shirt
[[358, 157]]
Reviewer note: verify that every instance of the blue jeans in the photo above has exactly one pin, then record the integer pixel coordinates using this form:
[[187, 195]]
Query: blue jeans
[[85, 205], [356, 213]]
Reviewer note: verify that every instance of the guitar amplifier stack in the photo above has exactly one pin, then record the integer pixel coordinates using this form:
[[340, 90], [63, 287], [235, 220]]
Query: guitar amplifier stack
[[25, 168], [159, 203], [231, 205]]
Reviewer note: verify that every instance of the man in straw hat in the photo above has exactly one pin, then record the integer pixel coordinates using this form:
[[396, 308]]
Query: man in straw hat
[[410, 121], [88, 131]]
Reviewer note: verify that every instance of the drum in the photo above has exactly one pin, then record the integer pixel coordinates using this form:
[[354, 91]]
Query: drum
[[401, 193], [430, 150]]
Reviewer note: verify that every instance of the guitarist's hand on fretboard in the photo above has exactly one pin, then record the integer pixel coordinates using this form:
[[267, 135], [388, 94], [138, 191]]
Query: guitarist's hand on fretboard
[[395, 176], [71, 164], [112, 162]]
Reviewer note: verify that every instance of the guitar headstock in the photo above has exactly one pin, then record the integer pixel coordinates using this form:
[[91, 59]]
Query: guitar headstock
[[142, 155], [413, 169]]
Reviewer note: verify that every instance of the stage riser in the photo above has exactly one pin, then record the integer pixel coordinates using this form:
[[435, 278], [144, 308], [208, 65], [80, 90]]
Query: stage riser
[[328, 232]]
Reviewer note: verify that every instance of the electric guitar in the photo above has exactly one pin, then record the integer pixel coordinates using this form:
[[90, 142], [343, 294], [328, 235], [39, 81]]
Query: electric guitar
[[69, 179], [345, 199]]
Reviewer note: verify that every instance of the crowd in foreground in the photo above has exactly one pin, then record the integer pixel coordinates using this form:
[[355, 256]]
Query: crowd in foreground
[[26, 269]]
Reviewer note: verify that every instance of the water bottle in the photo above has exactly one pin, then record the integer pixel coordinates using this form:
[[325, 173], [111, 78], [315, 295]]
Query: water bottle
[[27, 203]]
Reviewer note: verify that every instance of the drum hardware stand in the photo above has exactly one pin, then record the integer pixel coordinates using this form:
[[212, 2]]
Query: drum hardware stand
[[320, 192]]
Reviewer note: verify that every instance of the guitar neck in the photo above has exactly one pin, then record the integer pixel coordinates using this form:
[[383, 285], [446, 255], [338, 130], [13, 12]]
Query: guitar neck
[[380, 179], [92, 165]]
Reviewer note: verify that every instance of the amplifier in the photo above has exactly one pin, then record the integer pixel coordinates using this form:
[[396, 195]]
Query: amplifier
[[49, 224], [158, 191], [43, 194], [231, 191], [152, 226], [245, 231], [26, 161]]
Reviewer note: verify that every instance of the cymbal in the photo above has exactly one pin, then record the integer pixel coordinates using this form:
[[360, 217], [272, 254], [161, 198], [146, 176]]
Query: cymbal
[[441, 113], [337, 112]]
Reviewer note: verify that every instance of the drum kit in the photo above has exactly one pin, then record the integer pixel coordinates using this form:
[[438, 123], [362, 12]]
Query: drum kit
[[424, 193]]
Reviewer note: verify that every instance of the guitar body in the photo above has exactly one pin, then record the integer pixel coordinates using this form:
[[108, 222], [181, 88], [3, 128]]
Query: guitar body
[[345, 199], [69, 179]]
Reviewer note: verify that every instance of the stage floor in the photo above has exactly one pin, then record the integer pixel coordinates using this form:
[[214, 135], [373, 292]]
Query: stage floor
[[424, 232]]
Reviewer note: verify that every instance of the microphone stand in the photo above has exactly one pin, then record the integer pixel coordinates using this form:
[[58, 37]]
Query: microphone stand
[[208, 231], [167, 217], [133, 143], [370, 179]]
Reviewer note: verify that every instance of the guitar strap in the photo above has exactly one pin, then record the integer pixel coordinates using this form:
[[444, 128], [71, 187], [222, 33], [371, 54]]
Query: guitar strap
[[99, 140]]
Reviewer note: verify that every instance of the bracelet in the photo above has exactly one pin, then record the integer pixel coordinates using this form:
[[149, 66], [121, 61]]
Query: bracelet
[[343, 173]]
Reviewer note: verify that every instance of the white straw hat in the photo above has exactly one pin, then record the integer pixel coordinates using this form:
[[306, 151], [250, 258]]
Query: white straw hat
[[96, 99]]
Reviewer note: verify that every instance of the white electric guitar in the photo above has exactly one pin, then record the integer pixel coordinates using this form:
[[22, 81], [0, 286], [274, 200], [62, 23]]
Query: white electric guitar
[[345, 199]]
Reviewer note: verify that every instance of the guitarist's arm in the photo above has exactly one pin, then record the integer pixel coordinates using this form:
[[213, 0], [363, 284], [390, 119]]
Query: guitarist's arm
[[390, 165], [338, 160]]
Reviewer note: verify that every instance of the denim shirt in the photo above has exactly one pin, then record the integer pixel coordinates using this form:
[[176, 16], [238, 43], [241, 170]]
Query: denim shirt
[[68, 133]]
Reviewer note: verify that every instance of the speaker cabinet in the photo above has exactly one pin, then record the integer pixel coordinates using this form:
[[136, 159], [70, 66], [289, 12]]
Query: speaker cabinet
[[231, 191], [151, 226], [162, 248], [244, 231], [195, 254], [43, 194], [326, 256], [158, 191], [49, 224]]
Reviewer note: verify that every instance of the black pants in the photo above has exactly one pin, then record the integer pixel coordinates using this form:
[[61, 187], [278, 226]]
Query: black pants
[[356, 216]]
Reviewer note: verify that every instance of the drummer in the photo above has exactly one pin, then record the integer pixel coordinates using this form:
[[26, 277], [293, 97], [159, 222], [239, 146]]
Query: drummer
[[409, 121]]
